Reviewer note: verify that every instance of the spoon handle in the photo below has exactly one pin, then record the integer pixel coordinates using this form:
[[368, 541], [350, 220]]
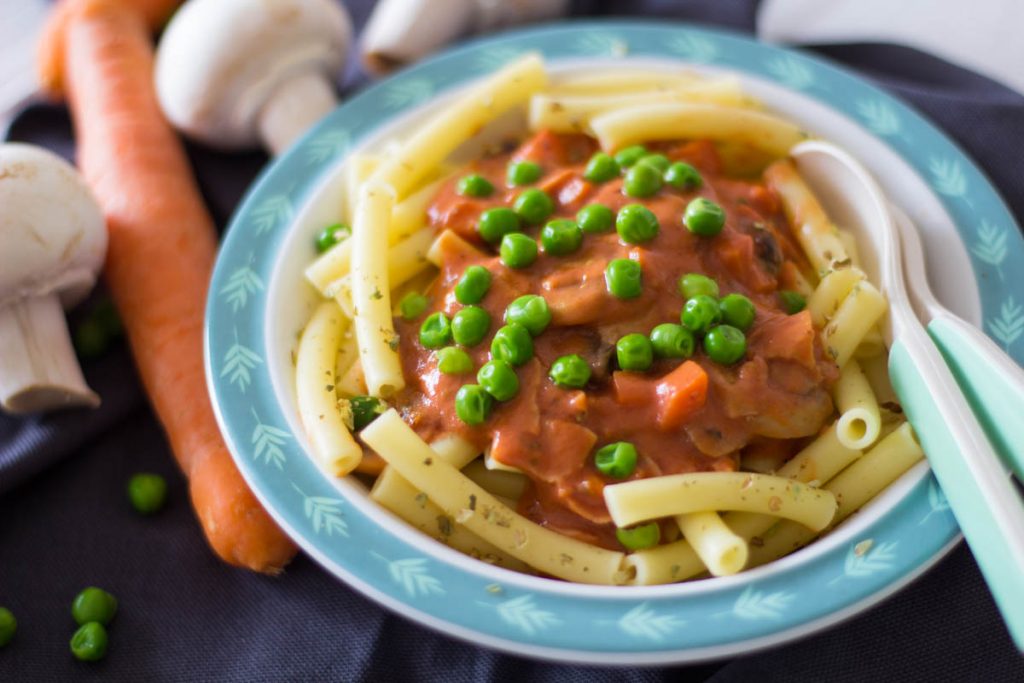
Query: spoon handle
[[991, 380], [981, 495]]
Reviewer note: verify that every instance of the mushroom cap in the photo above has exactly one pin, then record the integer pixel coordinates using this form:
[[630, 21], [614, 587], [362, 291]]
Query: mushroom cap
[[220, 60], [53, 237]]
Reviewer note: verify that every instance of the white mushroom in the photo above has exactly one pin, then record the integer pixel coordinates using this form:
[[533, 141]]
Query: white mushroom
[[402, 31], [52, 244], [232, 73]]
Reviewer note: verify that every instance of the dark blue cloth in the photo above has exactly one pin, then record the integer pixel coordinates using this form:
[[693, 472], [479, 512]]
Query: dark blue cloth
[[186, 616]]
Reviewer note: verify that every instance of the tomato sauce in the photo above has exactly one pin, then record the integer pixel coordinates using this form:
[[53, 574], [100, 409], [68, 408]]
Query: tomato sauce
[[777, 394]]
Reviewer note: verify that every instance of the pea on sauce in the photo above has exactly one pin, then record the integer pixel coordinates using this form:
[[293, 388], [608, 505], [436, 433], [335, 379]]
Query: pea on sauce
[[772, 398]]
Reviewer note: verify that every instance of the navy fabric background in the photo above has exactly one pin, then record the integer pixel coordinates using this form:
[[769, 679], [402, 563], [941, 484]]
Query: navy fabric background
[[65, 523]]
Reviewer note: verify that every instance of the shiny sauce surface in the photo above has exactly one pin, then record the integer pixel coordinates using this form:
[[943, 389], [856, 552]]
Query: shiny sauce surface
[[771, 400]]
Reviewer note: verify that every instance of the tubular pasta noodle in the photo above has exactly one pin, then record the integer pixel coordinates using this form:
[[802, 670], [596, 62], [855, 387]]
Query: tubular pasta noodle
[[406, 260], [719, 548], [401, 498], [441, 135], [353, 383], [830, 292], [375, 332], [850, 244], [871, 346], [348, 355], [358, 169], [483, 514], [407, 218], [663, 564], [319, 408], [859, 420], [855, 486], [505, 484], [622, 81], [623, 127], [861, 309], [675, 494], [571, 113], [818, 462], [817, 235], [876, 370]]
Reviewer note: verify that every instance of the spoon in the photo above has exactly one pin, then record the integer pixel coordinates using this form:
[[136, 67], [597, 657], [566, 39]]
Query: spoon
[[991, 380], [982, 496]]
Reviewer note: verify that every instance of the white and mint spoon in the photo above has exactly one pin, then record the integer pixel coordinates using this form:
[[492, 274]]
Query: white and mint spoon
[[981, 494], [991, 380]]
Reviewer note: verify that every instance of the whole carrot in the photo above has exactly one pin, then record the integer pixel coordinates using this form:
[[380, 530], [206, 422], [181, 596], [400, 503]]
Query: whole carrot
[[160, 258]]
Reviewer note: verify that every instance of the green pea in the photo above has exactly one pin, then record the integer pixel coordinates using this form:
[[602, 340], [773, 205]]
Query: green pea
[[601, 168], [451, 360], [634, 352], [595, 218], [571, 372], [470, 325], [94, 604], [496, 223], [412, 306], [658, 161], [616, 460], [636, 223], [560, 237], [473, 405], [512, 343], [630, 155], [436, 331], [725, 344], [642, 180], [624, 278], [474, 185], [523, 173], [531, 311], [90, 339], [533, 206], [695, 284], [738, 311], [331, 235], [365, 409], [147, 493], [89, 643], [700, 314], [473, 285], [672, 341], [703, 217], [518, 250], [792, 302], [639, 537], [683, 176], [8, 626], [499, 380]]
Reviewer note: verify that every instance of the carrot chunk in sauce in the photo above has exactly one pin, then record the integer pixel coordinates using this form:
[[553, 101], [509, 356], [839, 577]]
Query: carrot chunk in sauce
[[681, 393]]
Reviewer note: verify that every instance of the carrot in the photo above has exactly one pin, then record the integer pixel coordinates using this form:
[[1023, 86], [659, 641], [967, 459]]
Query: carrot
[[50, 56], [160, 257], [631, 389], [681, 393]]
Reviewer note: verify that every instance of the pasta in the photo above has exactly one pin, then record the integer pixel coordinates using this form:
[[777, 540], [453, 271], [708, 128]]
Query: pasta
[[319, 409], [500, 347]]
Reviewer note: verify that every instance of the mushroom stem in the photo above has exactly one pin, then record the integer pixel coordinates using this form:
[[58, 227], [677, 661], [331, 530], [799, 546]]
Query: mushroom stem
[[293, 108], [38, 367]]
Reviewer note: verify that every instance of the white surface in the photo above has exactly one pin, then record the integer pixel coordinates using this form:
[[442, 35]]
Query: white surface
[[20, 23], [983, 36]]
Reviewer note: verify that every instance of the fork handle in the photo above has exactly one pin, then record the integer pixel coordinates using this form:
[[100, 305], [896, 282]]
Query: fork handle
[[981, 494], [991, 380]]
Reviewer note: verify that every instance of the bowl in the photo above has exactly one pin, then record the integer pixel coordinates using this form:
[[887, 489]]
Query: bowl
[[259, 302]]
